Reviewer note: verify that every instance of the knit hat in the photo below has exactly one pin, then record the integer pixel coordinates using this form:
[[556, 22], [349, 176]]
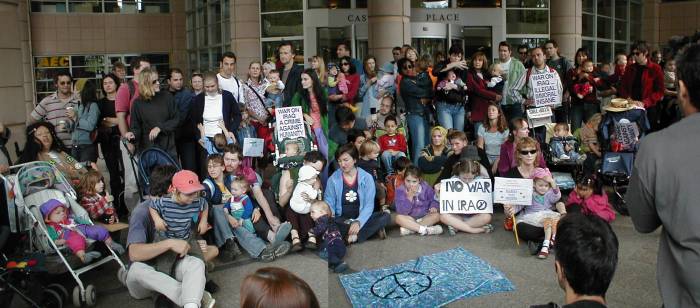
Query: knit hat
[[307, 173], [331, 65], [540, 173], [49, 206]]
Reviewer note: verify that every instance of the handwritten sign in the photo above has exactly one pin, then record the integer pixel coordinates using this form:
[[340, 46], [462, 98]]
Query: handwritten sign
[[627, 134], [457, 197], [512, 191], [539, 116], [545, 90], [253, 147], [290, 123]]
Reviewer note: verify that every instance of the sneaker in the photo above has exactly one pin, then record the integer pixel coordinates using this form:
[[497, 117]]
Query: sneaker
[[341, 268], [434, 230], [207, 300], [544, 253], [564, 157], [227, 255], [211, 287], [451, 231], [282, 232], [267, 255], [121, 275], [231, 246], [533, 247], [161, 301], [382, 233], [403, 231], [281, 249], [488, 228], [385, 209]]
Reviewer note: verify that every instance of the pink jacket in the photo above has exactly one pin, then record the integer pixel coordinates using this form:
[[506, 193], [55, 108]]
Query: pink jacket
[[594, 205]]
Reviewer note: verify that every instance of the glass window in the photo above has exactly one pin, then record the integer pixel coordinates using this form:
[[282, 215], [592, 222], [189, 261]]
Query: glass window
[[604, 27], [589, 45], [58, 6], [77, 6], [430, 4], [96, 6], [279, 6], [361, 4], [620, 30], [527, 22], [529, 42], [269, 50], [603, 52], [605, 7], [329, 4], [621, 48], [282, 24], [478, 3], [429, 46], [589, 6], [476, 39], [621, 9], [587, 25], [539, 4], [326, 41]]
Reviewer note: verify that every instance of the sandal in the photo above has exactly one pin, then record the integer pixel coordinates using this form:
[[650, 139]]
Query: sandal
[[311, 245], [296, 244], [488, 228]]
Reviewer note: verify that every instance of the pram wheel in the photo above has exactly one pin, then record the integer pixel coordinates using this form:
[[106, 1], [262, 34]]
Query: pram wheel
[[618, 203], [90, 296], [52, 299], [61, 290]]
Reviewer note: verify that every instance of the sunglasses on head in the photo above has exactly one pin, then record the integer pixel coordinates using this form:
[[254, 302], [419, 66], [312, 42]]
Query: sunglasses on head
[[531, 152]]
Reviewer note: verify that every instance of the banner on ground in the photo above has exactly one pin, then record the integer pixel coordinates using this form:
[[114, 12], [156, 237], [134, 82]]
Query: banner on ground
[[512, 191], [539, 116], [457, 197], [289, 123], [253, 147], [545, 90]]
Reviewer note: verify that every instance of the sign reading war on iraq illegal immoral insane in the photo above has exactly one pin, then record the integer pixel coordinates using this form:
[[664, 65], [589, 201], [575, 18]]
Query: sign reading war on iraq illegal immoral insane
[[289, 123], [457, 197], [545, 90]]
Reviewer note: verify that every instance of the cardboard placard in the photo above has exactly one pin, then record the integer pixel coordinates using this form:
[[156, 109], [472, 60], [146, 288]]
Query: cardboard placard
[[627, 134], [539, 116], [253, 147], [457, 197], [289, 123], [545, 90], [512, 191]]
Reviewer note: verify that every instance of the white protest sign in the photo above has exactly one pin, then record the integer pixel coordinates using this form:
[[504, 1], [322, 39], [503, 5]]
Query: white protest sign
[[253, 147], [289, 123], [457, 197], [545, 90], [627, 134], [512, 191], [539, 116]]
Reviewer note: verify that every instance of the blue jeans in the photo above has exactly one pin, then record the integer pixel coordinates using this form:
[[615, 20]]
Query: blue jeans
[[450, 116], [250, 242], [389, 159], [418, 130], [377, 221]]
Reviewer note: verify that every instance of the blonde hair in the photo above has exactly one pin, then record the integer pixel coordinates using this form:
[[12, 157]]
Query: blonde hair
[[494, 67], [145, 80], [88, 182], [564, 126], [321, 69], [368, 147], [242, 182], [472, 167], [322, 206], [528, 142]]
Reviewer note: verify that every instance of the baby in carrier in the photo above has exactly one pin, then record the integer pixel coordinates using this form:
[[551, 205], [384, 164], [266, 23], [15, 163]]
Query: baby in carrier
[[563, 144]]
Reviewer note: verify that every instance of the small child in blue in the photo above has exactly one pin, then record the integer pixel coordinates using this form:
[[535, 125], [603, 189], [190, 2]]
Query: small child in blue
[[563, 145], [327, 230], [240, 207], [215, 145], [177, 215]]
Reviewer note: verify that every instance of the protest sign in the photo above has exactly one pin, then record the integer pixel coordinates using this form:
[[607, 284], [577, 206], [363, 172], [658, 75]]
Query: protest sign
[[627, 134], [539, 116], [289, 123], [457, 197], [512, 191], [253, 147], [545, 90]]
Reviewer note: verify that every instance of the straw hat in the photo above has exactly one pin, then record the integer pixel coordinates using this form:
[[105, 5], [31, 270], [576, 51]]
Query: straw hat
[[618, 105]]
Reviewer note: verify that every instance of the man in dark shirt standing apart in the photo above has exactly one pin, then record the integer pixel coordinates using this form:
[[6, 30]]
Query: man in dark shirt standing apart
[[291, 73], [185, 140], [664, 191], [562, 66], [643, 83]]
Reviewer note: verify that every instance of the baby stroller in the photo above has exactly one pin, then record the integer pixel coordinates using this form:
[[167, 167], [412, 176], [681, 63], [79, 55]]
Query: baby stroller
[[564, 170], [285, 157], [620, 130], [147, 160], [37, 182]]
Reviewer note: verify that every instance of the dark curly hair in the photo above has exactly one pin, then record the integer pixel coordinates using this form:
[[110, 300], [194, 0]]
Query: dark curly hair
[[33, 146]]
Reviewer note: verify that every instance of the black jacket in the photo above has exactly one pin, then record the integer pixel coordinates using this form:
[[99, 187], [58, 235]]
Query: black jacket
[[293, 84], [230, 112]]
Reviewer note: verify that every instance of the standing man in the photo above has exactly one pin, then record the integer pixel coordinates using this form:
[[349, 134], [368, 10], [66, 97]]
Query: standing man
[[291, 73], [523, 50], [126, 95], [119, 69], [562, 66], [184, 137], [228, 80], [664, 192], [54, 108], [643, 83], [513, 69], [343, 50]]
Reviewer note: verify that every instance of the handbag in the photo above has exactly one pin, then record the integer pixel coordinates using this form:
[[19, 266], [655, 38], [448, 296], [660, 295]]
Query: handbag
[[256, 108]]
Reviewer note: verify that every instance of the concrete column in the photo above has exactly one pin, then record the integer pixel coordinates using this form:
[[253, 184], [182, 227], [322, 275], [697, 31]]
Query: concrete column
[[16, 82], [245, 33], [178, 54], [389, 25], [565, 26]]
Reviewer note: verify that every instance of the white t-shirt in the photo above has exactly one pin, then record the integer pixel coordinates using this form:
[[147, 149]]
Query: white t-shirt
[[233, 85], [213, 113]]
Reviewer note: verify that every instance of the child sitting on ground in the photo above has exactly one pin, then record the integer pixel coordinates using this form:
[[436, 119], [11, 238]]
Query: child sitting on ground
[[327, 230], [466, 171], [563, 144], [274, 95], [72, 232], [220, 140], [393, 144], [497, 81], [240, 206], [304, 194], [417, 210], [393, 181], [216, 185], [177, 215], [369, 151], [95, 200], [589, 198]]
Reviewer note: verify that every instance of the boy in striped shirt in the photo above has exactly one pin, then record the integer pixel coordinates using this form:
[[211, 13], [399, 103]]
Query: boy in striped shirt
[[177, 213]]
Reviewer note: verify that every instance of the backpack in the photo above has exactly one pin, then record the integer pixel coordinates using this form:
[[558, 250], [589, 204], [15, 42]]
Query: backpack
[[257, 108]]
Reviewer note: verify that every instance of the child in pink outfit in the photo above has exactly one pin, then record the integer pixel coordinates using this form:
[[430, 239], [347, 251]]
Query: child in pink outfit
[[589, 199]]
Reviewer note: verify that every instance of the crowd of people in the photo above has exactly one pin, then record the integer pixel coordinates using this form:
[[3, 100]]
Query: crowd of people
[[386, 135]]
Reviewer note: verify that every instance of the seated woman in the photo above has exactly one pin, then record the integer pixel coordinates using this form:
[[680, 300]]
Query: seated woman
[[492, 134], [416, 207], [509, 156], [350, 194], [433, 157], [43, 145]]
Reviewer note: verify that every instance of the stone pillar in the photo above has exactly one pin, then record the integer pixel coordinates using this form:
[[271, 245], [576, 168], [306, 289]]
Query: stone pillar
[[16, 82], [565, 26], [389, 25], [651, 22], [178, 55], [245, 33]]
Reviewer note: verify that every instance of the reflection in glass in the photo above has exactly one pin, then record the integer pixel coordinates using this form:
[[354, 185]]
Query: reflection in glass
[[604, 52], [269, 50], [326, 41], [479, 3], [429, 46], [278, 5], [537, 4], [329, 4], [604, 27], [282, 24], [587, 25], [430, 4], [527, 22]]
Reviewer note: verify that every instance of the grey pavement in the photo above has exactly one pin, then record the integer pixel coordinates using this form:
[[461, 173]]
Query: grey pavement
[[634, 284]]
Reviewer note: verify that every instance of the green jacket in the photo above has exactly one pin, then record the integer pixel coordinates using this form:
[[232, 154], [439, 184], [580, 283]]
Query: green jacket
[[298, 100], [516, 70]]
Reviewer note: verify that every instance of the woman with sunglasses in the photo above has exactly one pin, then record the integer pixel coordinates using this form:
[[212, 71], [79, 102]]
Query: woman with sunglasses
[[154, 116], [508, 158], [350, 71], [414, 95]]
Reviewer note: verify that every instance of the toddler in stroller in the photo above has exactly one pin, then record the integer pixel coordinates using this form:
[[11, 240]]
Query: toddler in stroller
[[63, 229], [563, 145]]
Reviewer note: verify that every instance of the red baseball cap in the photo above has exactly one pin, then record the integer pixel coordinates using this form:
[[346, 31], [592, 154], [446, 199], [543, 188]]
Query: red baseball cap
[[187, 182]]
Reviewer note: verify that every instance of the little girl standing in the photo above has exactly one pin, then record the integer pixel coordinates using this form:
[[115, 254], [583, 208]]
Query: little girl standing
[[327, 230], [95, 200], [589, 198]]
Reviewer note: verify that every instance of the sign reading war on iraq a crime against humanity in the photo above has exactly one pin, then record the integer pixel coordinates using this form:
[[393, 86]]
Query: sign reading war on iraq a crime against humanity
[[289, 123], [457, 197], [545, 90]]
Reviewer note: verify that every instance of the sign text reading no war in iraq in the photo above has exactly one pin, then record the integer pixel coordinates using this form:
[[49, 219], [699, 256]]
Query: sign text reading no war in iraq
[[289, 123], [545, 89], [458, 197]]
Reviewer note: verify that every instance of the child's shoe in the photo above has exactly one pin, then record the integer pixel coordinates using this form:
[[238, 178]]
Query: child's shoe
[[434, 230], [311, 243], [508, 223], [451, 231], [207, 300], [544, 253], [341, 268], [405, 231]]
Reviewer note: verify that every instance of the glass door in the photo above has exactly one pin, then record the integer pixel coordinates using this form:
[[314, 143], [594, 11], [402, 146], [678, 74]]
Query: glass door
[[429, 46]]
